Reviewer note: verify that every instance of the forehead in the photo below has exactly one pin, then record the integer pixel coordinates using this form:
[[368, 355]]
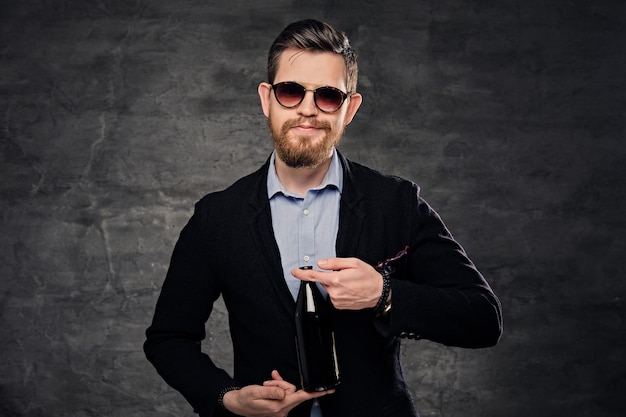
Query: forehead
[[311, 68]]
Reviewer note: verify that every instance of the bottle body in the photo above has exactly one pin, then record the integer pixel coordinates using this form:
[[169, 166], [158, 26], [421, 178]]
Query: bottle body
[[315, 340]]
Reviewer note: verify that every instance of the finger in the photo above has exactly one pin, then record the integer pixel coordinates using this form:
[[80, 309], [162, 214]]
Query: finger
[[278, 381], [284, 385], [337, 264], [308, 275], [271, 393], [302, 395], [276, 376]]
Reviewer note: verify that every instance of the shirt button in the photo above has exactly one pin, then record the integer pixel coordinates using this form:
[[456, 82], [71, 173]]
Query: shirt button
[[306, 258], [306, 212]]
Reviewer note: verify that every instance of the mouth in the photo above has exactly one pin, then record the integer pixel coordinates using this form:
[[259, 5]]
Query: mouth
[[309, 126], [306, 128]]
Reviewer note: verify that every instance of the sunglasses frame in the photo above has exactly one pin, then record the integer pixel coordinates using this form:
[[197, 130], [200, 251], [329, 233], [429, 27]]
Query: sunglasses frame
[[344, 96], [386, 266]]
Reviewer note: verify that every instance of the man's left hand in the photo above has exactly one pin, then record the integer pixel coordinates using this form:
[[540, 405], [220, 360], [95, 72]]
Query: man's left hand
[[351, 283]]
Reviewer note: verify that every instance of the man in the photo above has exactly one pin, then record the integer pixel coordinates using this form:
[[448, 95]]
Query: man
[[310, 206]]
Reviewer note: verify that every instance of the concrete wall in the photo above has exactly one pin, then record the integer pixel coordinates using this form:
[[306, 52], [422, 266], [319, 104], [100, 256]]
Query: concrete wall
[[116, 116]]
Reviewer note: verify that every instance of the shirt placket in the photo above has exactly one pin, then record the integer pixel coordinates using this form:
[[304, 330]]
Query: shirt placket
[[306, 231]]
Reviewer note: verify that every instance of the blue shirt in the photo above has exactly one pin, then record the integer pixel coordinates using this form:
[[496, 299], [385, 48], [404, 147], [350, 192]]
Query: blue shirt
[[305, 227]]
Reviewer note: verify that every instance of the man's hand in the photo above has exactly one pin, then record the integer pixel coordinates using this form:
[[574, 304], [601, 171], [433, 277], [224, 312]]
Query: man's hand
[[351, 283], [275, 398]]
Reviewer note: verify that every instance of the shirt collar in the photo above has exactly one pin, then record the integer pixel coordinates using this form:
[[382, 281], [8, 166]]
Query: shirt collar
[[333, 178]]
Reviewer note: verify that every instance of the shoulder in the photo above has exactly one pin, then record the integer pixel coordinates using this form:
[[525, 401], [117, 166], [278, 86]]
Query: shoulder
[[383, 193], [248, 191], [241, 186], [369, 180]]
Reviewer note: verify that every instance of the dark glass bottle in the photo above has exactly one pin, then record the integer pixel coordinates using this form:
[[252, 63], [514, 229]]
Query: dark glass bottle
[[315, 340]]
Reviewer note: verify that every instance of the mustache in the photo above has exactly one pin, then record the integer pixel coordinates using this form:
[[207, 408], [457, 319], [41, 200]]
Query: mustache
[[318, 124]]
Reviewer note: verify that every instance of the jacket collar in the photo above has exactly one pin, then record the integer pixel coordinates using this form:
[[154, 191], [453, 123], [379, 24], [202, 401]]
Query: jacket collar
[[350, 195]]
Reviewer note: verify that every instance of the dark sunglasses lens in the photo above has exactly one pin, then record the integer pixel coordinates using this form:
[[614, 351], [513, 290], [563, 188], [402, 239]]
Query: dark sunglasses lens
[[289, 94], [328, 99]]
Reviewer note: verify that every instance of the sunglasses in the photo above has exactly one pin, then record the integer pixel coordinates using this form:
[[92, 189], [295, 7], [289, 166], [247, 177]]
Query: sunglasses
[[386, 266], [290, 94]]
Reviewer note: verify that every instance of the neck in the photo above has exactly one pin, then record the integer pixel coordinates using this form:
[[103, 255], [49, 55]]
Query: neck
[[300, 180]]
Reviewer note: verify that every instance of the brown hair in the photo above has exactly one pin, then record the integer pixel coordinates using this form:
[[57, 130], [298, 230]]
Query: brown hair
[[314, 35]]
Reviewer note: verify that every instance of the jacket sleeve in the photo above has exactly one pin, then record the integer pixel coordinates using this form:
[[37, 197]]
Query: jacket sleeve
[[440, 295], [173, 340]]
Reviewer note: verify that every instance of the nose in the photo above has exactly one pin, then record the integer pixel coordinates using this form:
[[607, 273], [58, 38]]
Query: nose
[[307, 107]]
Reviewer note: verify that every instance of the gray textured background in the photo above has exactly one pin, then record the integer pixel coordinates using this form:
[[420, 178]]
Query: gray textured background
[[116, 116]]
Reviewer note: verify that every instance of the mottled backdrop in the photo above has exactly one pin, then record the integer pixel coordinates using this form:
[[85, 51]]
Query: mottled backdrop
[[116, 116]]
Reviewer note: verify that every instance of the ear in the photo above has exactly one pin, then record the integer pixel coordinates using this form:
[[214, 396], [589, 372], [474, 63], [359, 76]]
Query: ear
[[265, 91], [353, 105]]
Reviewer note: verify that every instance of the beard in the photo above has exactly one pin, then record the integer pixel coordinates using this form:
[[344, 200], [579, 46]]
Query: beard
[[299, 151]]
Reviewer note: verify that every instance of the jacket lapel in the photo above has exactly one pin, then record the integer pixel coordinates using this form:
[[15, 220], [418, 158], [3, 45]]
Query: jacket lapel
[[262, 235], [351, 215]]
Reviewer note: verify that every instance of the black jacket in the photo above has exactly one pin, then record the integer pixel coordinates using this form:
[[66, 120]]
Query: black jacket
[[228, 248]]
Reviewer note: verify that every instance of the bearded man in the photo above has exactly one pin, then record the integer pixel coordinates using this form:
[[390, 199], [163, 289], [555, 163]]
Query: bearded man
[[309, 206]]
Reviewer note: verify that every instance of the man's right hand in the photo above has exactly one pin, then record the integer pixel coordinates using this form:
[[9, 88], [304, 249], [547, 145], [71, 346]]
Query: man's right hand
[[275, 398]]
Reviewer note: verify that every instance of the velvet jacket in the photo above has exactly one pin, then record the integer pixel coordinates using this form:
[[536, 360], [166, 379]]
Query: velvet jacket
[[228, 249]]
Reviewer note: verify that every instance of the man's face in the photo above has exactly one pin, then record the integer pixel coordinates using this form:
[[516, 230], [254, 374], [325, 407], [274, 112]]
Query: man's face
[[304, 136]]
